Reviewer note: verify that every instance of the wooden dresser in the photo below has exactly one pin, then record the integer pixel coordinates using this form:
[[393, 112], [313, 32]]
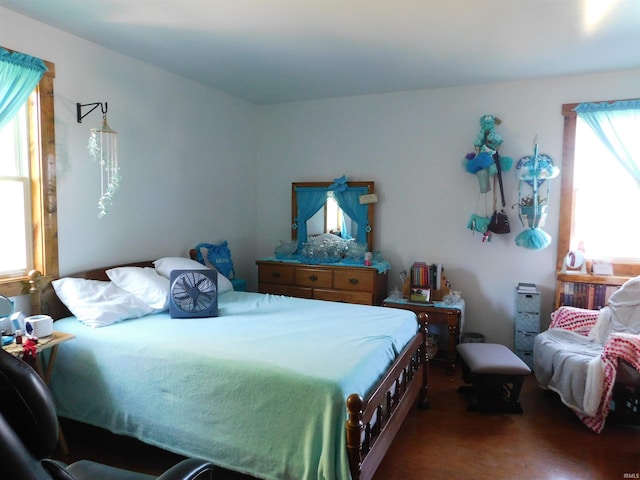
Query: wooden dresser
[[364, 285]]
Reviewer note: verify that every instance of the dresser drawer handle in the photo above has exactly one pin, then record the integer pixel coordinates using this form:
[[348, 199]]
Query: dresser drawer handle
[[353, 281], [313, 278], [275, 274]]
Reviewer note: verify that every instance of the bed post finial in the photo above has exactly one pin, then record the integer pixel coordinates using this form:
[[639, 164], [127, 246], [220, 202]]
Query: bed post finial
[[355, 406], [34, 291]]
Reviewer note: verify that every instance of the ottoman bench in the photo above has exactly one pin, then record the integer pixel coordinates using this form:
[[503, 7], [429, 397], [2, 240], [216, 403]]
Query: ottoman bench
[[496, 375]]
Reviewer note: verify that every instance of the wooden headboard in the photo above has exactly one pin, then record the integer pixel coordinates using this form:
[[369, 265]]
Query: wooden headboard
[[45, 301]]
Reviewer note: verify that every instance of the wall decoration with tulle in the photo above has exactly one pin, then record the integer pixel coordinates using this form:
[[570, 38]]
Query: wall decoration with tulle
[[487, 165], [534, 173]]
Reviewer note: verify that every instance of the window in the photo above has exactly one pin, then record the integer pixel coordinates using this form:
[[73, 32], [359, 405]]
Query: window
[[598, 194], [16, 254], [334, 222], [28, 191]]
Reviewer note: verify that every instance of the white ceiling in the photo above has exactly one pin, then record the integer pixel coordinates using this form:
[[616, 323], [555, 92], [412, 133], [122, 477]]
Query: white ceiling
[[273, 51]]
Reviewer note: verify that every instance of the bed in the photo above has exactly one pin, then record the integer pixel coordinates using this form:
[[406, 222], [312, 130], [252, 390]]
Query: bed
[[274, 387]]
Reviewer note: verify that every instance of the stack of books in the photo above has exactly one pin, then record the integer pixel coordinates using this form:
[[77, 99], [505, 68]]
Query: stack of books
[[427, 282], [527, 288], [420, 281]]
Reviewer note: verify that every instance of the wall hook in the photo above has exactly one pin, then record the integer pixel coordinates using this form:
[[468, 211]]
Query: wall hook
[[93, 106]]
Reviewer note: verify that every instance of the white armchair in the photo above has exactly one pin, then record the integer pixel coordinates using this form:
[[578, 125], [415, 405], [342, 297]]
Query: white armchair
[[585, 353]]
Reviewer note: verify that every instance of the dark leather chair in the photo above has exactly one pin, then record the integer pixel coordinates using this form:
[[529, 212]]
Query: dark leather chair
[[29, 434]]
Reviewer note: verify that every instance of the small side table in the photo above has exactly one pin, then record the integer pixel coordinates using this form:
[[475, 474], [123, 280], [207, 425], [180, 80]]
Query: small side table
[[439, 312], [51, 342]]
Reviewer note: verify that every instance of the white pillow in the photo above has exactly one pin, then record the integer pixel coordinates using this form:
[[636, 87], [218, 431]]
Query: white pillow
[[165, 265], [144, 283], [96, 303]]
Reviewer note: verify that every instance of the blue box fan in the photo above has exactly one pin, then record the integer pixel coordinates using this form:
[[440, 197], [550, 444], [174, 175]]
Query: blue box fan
[[193, 293]]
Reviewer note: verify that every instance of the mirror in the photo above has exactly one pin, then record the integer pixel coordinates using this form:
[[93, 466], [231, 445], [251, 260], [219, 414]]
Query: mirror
[[6, 307], [330, 207]]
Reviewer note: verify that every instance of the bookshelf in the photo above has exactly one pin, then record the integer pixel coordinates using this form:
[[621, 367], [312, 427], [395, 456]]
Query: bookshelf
[[585, 290], [427, 282]]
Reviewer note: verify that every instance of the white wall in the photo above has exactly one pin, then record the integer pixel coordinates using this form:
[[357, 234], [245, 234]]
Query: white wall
[[186, 155], [192, 156], [412, 144]]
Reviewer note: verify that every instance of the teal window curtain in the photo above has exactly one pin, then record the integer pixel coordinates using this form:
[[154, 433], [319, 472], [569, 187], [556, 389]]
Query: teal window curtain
[[309, 201], [19, 75], [349, 202], [617, 125]]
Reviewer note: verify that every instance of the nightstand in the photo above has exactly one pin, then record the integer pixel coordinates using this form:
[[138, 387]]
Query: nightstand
[[452, 315], [43, 344], [52, 342]]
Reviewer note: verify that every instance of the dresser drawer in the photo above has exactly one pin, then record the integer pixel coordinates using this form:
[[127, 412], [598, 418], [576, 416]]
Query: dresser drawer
[[524, 340], [526, 356], [354, 279], [528, 322], [288, 290], [323, 282], [276, 273], [362, 298], [313, 277], [528, 302]]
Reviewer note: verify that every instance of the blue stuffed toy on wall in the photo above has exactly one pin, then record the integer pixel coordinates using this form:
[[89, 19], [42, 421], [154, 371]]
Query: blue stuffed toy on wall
[[482, 161], [487, 164]]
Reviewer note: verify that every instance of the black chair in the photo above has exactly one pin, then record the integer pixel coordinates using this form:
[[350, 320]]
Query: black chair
[[29, 434]]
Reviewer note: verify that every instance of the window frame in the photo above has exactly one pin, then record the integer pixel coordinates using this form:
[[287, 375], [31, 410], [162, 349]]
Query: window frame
[[621, 267], [42, 166]]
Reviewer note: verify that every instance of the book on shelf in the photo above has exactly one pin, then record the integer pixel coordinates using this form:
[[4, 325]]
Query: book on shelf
[[430, 277], [586, 295]]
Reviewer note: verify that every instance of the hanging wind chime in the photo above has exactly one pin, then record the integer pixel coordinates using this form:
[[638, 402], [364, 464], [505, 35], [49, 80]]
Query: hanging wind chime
[[103, 148], [533, 172]]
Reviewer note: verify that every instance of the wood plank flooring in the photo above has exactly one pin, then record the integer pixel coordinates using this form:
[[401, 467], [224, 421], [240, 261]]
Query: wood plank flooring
[[546, 442]]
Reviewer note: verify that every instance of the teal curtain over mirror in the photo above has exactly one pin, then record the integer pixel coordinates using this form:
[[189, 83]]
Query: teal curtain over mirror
[[309, 200], [349, 202]]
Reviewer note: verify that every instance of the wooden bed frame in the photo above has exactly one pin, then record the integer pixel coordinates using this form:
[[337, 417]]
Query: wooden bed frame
[[372, 423]]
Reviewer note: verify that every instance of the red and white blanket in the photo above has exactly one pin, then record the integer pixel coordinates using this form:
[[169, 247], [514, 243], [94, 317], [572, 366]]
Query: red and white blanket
[[625, 346]]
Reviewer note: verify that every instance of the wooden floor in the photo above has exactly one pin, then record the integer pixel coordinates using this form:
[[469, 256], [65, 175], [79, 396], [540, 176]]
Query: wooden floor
[[547, 441]]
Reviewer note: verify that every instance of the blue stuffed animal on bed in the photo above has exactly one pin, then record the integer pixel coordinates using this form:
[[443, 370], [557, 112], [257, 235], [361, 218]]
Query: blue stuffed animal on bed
[[217, 255]]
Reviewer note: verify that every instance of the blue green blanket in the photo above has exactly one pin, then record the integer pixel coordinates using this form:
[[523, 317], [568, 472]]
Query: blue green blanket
[[260, 389]]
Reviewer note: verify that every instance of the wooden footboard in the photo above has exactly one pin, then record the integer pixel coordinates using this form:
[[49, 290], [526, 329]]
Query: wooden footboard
[[372, 424]]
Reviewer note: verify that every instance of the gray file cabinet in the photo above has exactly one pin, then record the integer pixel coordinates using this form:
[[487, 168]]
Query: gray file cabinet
[[527, 324]]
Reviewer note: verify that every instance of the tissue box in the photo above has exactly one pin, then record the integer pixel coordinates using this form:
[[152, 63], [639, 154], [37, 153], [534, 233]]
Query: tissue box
[[38, 326]]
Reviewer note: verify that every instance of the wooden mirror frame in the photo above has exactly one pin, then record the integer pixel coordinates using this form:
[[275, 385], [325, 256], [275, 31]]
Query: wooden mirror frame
[[294, 205]]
